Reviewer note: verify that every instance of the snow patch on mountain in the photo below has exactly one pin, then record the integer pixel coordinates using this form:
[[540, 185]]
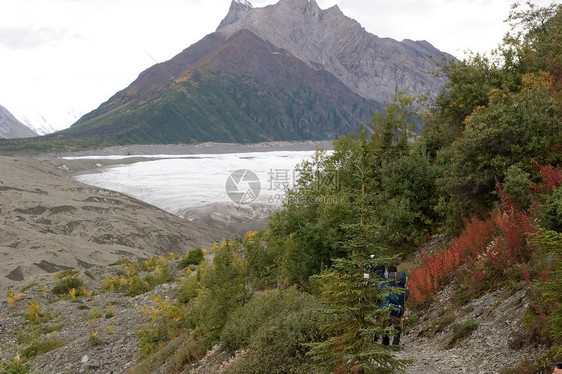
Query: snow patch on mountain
[[46, 122]]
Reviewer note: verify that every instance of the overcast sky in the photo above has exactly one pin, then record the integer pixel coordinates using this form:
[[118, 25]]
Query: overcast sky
[[62, 58]]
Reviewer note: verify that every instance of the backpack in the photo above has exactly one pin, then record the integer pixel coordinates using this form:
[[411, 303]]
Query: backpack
[[397, 280]]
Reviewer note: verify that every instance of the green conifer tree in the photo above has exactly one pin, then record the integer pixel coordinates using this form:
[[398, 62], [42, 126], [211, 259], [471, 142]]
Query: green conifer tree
[[352, 300]]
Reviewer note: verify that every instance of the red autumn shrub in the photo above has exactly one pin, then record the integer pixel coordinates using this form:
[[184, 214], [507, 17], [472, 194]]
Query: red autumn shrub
[[420, 284], [437, 267], [473, 239], [514, 226], [551, 176], [498, 243]]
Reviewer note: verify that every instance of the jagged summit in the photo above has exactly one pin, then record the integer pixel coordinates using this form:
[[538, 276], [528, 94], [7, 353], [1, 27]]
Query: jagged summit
[[238, 8], [374, 68], [302, 3]]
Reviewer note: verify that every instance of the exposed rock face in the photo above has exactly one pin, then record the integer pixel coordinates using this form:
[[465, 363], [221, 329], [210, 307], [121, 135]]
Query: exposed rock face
[[11, 128], [237, 11], [374, 68]]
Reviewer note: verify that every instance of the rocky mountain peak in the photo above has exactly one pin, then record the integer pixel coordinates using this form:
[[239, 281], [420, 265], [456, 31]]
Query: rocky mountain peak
[[287, 71], [301, 3], [238, 8], [374, 68]]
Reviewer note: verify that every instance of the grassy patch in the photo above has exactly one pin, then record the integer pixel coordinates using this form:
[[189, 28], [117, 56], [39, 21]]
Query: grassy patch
[[29, 286], [89, 275], [461, 332], [176, 355], [439, 325], [37, 348]]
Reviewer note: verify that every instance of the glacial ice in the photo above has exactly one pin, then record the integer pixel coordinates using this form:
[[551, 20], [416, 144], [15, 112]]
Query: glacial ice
[[180, 184]]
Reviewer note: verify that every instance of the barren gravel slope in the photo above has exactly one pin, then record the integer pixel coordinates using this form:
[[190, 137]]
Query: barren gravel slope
[[50, 222]]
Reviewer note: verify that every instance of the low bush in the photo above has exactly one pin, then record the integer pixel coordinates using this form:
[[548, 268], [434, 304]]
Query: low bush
[[16, 366], [188, 289], [224, 288], [67, 284], [273, 329], [173, 357], [166, 322], [155, 335], [193, 257], [525, 367], [138, 285], [35, 315], [95, 339], [110, 311], [130, 278]]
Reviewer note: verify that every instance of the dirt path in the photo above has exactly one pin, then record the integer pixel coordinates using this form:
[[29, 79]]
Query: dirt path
[[429, 358], [497, 319]]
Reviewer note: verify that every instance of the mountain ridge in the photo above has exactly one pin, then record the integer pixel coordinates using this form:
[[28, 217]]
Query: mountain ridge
[[257, 85], [272, 62]]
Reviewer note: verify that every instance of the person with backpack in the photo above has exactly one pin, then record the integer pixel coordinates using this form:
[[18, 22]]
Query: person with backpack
[[396, 301], [380, 276]]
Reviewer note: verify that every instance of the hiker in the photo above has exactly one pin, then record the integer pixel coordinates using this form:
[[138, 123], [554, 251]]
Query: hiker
[[380, 276], [380, 272], [396, 301], [557, 368], [377, 270]]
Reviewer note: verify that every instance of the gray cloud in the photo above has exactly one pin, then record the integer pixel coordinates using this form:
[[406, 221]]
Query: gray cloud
[[30, 37]]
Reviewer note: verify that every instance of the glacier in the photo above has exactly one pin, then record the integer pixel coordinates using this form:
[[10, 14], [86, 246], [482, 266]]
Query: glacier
[[195, 186]]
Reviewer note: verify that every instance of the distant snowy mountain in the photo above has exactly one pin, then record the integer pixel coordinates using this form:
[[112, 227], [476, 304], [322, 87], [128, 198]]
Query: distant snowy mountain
[[38, 123], [45, 123], [244, 2], [11, 128]]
